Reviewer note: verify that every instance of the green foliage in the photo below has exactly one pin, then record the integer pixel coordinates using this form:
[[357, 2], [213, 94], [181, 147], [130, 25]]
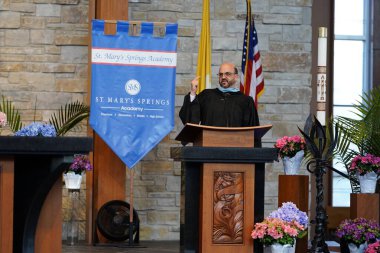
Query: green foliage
[[13, 116], [66, 118], [361, 135], [69, 116]]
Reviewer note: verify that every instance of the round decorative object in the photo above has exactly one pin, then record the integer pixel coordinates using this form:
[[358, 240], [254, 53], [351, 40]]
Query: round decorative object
[[72, 180], [279, 248], [113, 221], [355, 249], [292, 164], [368, 182]]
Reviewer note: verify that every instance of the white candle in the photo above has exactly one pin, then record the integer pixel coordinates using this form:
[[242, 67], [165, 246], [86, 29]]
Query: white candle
[[321, 75]]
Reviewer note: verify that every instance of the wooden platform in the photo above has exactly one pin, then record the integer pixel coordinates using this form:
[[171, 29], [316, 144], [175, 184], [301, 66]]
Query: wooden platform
[[146, 246]]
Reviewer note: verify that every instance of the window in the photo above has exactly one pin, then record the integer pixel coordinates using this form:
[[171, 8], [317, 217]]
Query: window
[[352, 71]]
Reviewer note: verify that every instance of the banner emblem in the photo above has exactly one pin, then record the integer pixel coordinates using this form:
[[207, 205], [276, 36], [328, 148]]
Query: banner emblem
[[132, 87]]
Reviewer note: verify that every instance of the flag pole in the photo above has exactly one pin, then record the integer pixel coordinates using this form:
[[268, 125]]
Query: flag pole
[[131, 174], [204, 50], [251, 76]]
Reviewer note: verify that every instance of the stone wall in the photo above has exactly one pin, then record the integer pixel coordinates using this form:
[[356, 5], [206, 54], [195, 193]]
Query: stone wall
[[43, 54], [43, 65]]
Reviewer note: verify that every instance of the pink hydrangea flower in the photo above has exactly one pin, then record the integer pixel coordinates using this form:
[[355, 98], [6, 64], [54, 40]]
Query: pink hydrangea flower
[[363, 164], [290, 145], [3, 119], [275, 230]]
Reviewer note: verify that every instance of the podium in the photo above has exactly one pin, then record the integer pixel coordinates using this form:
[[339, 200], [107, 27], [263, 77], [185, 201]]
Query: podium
[[223, 187], [31, 190]]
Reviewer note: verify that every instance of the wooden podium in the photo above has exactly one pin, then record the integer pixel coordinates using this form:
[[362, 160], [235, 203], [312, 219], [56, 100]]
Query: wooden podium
[[224, 187], [31, 191]]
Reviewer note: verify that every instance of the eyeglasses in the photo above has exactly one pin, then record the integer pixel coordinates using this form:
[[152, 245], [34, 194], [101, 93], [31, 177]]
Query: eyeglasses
[[227, 74]]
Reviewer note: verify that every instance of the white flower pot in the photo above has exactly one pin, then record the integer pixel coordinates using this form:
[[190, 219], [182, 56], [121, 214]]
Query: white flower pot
[[355, 249], [72, 180], [279, 248], [368, 182], [292, 164]]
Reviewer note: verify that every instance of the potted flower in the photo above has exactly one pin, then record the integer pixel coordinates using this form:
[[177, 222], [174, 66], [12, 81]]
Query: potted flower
[[3, 120], [291, 150], [290, 212], [281, 228], [359, 134], [37, 129], [367, 169], [73, 174], [373, 247], [357, 233]]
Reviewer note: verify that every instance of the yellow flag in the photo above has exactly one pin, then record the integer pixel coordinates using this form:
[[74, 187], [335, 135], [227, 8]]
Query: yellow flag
[[204, 51]]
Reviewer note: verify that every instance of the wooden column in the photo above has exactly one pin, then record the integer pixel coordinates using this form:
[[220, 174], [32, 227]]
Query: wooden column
[[295, 188], [107, 181], [365, 205], [6, 204]]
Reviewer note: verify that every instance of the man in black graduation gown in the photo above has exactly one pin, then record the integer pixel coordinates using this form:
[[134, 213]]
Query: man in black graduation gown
[[224, 106]]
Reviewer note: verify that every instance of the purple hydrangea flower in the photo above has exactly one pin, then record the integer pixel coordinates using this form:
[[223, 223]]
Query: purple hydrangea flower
[[358, 231], [289, 212], [81, 163]]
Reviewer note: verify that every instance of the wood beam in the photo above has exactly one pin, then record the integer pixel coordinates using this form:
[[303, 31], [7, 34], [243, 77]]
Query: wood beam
[[107, 181]]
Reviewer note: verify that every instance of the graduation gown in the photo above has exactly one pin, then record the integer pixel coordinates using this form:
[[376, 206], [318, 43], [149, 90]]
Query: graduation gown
[[213, 107]]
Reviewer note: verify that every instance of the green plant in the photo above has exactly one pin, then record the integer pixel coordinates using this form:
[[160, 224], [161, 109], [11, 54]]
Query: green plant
[[13, 116], [359, 136], [69, 116], [66, 118]]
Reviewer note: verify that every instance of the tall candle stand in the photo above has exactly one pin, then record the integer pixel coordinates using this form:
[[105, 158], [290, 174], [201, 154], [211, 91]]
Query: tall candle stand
[[321, 154]]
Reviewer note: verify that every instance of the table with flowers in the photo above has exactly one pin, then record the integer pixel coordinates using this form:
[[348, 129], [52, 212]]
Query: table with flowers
[[30, 190]]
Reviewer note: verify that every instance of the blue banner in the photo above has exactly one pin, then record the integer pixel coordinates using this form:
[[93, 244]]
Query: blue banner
[[132, 88]]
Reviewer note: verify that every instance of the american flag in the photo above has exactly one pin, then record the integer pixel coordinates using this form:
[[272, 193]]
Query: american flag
[[251, 77]]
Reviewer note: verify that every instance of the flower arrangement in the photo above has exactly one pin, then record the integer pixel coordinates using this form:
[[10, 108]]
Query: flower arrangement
[[66, 119], [3, 119], [358, 230], [290, 145], [289, 212], [373, 247], [80, 164], [37, 129], [275, 230], [363, 164], [282, 226]]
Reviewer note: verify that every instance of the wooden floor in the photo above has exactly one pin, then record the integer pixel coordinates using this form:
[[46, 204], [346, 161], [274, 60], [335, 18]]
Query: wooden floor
[[143, 247]]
